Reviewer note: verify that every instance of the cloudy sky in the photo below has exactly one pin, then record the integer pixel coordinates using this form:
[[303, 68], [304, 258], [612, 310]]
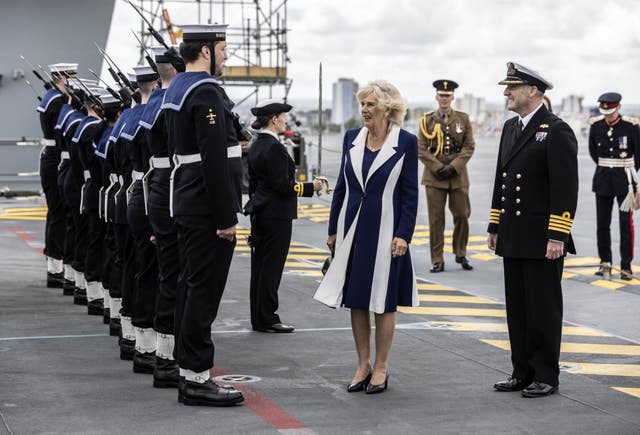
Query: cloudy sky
[[584, 47]]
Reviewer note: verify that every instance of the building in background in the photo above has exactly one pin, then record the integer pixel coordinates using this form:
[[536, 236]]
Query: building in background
[[475, 107], [345, 105], [571, 105]]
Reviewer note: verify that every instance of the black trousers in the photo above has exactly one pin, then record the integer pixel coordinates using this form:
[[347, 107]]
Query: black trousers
[[80, 224], [55, 225], [166, 250], [125, 251], [69, 224], [93, 262], [534, 316], [146, 289], [207, 260], [604, 204], [111, 262], [271, 239]]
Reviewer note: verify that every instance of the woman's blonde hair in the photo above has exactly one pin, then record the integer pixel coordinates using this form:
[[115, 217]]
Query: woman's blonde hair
[[388, 97]]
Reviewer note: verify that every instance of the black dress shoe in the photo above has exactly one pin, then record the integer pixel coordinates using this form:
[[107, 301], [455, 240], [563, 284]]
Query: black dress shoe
[[95, 307], [600, 271], [127, 349], [144, 362], [106, 315], [464, 261], [114, 327], [80, 296], [55, 280], [437, 267], [181, 382], [165, 373], [68, 287], [210, 394], [359, 386], [539, 389], [626, 275], [277, 327], [375, 389], [511, 384]]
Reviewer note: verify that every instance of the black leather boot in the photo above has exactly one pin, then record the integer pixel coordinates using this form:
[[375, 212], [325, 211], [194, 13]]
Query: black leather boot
[[80, 296], [96, 307], [114, 327], [165, 373], [68, 287], [144, 362], [106, 315], [55, 280], [127, 349]]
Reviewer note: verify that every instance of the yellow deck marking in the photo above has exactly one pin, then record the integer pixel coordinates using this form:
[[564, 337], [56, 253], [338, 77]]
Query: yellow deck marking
[[502, 327], [603, 349], [19, 209], [453, 311], [632, 281], [635, 392], [425, 286], [22, 218], [421, 233], [577, 261], [611, 285], [305, 272], [566, 275], [294, 264], [460, 299], [307, 256], [419, 242], [484, 257], [603, 369]]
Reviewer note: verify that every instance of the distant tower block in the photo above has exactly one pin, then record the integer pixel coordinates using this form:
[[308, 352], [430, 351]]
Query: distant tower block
[[345, 105]]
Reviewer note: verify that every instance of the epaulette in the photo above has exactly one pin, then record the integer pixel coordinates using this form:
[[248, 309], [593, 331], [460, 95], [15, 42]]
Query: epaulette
[[632, 119], [595, 119]]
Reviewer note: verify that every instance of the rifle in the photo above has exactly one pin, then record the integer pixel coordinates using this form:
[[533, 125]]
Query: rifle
[[93, 99], [158, 37], [123, 79], [111, 91], [47, 85], [152, 64]]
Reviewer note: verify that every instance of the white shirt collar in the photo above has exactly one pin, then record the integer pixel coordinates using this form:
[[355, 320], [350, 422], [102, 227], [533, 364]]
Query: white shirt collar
[[527, 118], [265, 131]]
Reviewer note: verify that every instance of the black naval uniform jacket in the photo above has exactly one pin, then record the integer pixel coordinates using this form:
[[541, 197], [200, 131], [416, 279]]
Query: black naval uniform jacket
[[198, 127], [620, 141], [273, 191], [49, 110], [535, 192]]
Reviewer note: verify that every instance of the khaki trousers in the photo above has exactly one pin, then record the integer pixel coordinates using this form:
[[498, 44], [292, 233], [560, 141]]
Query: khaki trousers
[[460, 209]]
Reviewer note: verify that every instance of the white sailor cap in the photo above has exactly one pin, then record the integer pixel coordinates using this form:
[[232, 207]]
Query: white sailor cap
[[270, 107], [204, 32], [144, 74], [521, 75], [108, 101], [68, 68]]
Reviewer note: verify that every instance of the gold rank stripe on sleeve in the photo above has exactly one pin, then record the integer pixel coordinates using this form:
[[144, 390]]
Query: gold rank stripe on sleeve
[[494, 216], [561, 224], [299, 189]]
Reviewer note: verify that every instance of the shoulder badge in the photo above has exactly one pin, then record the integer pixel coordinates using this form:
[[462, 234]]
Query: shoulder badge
[[544, 126], [632, 119], [595, 119], [211, 117]]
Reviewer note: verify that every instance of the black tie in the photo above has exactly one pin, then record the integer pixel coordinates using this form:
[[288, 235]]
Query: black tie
[[518, 130]]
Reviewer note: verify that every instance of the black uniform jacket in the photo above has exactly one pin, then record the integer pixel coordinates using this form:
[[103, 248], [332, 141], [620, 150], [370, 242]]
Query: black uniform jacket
[[620, 141], [273, 191], [535, 192], [49, 110], [195, 124]]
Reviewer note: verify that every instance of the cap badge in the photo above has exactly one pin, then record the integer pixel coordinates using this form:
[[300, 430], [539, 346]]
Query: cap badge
[[445, 83], [511, 69], [211, 117], [605, 106]]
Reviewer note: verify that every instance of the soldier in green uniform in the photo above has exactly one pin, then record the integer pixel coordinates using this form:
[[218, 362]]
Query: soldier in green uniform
[[446, 144]]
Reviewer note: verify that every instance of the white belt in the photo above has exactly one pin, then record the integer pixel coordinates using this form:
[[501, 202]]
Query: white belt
[[616, 163], [234, 151], [160, 162], [154, 162], [100, 202], [64, 155], [113, 179], [179, 160], [48, 142], [87, 177], [121, 181], [135, 176]]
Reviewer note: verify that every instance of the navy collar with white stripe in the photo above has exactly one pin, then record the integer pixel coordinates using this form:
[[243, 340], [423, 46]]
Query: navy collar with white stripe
[[182, 85], [48, 97], [152, 109]]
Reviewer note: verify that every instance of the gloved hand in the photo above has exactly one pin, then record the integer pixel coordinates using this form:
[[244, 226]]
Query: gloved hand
[[447, 171]]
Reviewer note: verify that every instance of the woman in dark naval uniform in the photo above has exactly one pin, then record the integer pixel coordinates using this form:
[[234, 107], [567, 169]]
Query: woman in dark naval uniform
[[273, 194]]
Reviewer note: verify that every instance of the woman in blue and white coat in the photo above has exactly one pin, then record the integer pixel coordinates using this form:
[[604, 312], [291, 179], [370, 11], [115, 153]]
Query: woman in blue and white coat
[[372, 219]]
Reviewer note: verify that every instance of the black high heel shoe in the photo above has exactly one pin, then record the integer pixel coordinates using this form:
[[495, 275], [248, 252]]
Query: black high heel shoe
[[374, 389], [359, 386]]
